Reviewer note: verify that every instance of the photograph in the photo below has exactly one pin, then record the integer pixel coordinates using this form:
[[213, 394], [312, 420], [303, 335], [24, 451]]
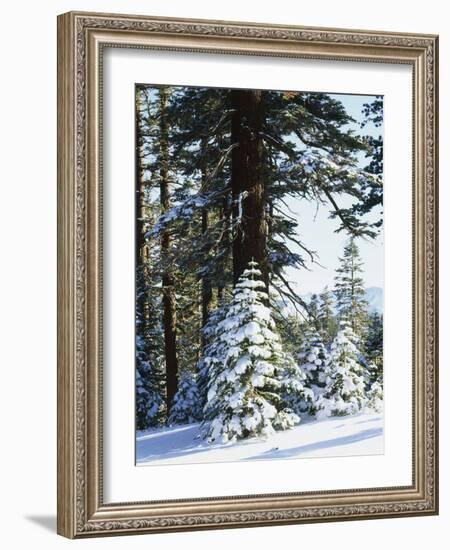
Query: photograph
[[259, 274]]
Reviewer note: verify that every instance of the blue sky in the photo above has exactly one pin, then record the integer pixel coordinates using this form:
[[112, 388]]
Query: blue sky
[[317, 231]]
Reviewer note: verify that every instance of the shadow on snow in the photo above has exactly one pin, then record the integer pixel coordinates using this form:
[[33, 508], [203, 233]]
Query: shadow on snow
[[169, 442], [318, 445], [181, 441]]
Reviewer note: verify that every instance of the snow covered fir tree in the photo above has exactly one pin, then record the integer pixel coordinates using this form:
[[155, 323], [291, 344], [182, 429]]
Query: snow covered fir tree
[[349, 290], [255, 322], [150, 402], [249, 373], [344, 391], [313, 359], [187, 406]]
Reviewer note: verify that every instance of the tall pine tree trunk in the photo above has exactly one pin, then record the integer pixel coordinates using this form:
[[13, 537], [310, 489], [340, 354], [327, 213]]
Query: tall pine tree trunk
[[139, 207], [248, 182], [168, 290], [225, 215], [206, 278], [206, 282], [140, 245], [139, 202]]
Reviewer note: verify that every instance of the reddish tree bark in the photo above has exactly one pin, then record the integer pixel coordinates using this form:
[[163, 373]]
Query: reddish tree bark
[[206, 282], [168, 281], [248, 182]]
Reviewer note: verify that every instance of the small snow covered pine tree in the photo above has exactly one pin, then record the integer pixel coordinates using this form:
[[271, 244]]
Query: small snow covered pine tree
[[375, 397], [150, 404], [349, 290], [150, 400], [313, 360], [186, 407], [211, 356], [344, 381], [326, 318], [294, 387], [248, 372]]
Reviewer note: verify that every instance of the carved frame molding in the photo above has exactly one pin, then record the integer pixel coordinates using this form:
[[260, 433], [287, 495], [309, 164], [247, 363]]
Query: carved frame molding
[[81, 38]]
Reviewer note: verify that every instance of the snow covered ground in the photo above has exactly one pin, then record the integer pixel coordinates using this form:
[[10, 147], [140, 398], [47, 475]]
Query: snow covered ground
[[361, 434]]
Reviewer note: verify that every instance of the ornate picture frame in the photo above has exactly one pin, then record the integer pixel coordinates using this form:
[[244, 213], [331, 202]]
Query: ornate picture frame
[[82, 38]]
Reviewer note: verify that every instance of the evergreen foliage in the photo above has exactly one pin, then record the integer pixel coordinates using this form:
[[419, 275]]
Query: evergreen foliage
[[374, 347], [328, 325], [344, 391], [313, 360], [215, 342], [349, 290], [150, 380], [310, 154], [186, 407], [375, 397], [211, 358], [249, 372]]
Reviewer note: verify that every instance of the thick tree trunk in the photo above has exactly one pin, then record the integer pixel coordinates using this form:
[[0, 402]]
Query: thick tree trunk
[[141, 205], [140, 248], [206, 282], [206, 278], [226, 241], [169, 300], [139, 199], [248, 182]]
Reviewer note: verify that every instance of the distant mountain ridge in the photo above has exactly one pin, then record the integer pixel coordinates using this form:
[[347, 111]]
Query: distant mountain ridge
[[374, 297]]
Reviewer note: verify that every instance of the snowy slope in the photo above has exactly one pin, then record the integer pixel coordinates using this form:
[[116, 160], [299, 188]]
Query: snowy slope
[[360, 434]]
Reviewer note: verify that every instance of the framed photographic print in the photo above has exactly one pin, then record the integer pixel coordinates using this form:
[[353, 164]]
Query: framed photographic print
[[247, 277]]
